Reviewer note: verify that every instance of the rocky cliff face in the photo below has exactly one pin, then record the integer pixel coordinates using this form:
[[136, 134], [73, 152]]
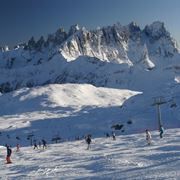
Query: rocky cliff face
[[106, 56], [117, 43]]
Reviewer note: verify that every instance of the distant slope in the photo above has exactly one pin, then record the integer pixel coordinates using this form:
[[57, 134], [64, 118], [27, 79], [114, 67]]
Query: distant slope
[[68, 110], [72, 110]]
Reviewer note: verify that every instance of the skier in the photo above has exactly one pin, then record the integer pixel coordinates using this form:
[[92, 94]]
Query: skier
[[161, 130], [113, 136], [148, 137], [88, 141], [35, 145], [44, 144], [17, 148], [9, 152]]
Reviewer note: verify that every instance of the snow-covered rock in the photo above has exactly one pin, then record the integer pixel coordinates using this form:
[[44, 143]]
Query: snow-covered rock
[[127, 48], [73, 29]]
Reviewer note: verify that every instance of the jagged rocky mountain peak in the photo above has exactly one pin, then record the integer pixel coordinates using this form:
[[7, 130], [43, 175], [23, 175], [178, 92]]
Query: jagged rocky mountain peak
[[156, 30], [73, 29], [106, 56], [134, 27]]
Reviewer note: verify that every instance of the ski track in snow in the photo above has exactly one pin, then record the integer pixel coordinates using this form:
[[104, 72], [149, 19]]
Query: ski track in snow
[[126, 158], [70, 110]]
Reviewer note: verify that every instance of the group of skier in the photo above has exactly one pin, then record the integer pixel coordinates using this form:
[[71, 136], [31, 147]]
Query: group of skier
[[9, 150], [44, 144], [87, 139], [149, 137]]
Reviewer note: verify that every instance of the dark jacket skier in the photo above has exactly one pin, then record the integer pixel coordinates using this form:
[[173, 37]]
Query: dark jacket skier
[[88, 141], [9, 152], [161, 130], [35, 145], [44, 144], [113, 136]]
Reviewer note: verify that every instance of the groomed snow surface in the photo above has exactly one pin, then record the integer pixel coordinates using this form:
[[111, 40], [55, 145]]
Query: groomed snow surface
[[72, 110], [128, 157]]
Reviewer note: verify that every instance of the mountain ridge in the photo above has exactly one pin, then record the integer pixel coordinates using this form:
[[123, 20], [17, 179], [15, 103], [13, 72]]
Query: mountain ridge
[[57, 60]]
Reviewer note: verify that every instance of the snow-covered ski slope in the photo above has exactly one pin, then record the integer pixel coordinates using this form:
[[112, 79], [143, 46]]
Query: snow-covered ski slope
[[68, 110], [72, 110], [129, 157]]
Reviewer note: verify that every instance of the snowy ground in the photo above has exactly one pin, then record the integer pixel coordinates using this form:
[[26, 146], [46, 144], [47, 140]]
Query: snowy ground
[[126, 158], [65, 110], [72, 110]]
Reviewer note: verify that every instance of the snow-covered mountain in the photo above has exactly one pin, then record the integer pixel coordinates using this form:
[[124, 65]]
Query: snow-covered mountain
[[113, 56], [118, 58], [91, 82], [71, 110]]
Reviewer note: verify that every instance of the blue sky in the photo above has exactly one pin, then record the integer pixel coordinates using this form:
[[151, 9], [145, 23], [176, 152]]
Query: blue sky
[[21, 19]]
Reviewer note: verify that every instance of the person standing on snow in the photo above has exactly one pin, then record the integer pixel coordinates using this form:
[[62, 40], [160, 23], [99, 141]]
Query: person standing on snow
[[88, 141], [44, 144], [113, 136], [161, 130], [35, 145], [148, 137], [9, 152], [17, 148]]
